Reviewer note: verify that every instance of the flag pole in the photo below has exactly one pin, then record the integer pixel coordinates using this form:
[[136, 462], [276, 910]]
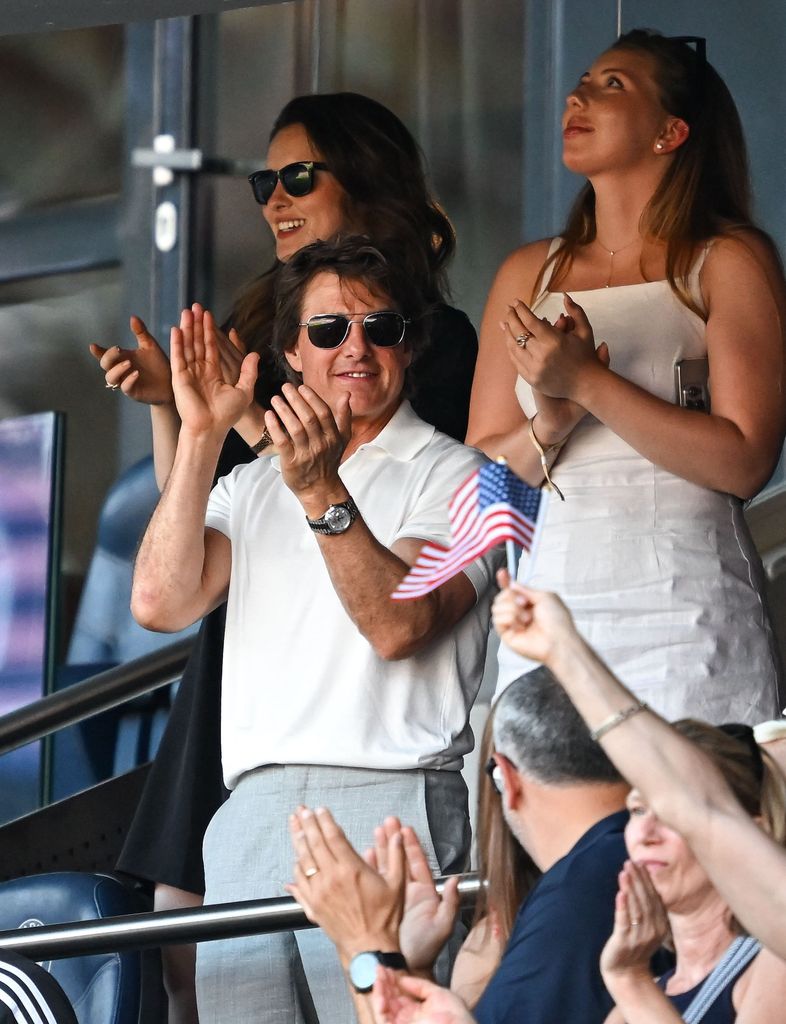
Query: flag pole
[[511, 549]]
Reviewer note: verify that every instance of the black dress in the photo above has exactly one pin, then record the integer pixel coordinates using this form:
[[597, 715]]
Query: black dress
[[185, 787]]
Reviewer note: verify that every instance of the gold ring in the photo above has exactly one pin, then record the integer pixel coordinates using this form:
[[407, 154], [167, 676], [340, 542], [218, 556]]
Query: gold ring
[[310, 872]]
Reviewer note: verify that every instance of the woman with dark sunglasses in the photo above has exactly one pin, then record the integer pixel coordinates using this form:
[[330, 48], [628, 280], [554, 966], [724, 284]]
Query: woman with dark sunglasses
[[336, 163], [595, 348]]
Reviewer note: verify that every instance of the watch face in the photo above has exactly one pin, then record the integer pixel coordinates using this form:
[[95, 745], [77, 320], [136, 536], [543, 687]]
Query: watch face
[[337, 518], [363, 971]]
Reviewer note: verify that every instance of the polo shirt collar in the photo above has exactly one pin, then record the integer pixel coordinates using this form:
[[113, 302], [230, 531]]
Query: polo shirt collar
[[403, 436]]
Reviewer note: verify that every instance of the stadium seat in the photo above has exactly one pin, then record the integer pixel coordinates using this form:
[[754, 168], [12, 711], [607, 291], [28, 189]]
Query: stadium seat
[[105, 988]]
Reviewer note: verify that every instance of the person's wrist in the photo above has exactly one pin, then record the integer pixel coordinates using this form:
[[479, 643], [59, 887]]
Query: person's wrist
[[588, 382], [317, 500], [627, 982], [165, 404], [568, 647], [202, 439], [548, 431], [253, 418], [384, 941]]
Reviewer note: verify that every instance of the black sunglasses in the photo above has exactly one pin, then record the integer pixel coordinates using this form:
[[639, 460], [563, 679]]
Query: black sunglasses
[[297, 179], [698, 41], [745, 735], [329, 330]]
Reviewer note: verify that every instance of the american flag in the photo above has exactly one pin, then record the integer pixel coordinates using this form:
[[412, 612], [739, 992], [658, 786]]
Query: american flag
[[492, 506]]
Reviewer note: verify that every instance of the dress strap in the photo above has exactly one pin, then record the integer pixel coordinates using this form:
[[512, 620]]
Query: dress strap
[[549, 271], [694, 282], [732, 964]]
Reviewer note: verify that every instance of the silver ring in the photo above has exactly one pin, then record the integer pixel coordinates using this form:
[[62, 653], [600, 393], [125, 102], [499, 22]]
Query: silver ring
[[310, 872], [522, 339], [635, 920], [112, 387]]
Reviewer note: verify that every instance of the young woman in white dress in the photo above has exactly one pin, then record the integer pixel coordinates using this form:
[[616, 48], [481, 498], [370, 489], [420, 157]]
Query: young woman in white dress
[[659, 263]]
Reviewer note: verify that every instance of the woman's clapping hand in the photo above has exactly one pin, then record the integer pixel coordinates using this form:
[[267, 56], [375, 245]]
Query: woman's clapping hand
[[143, 373], [554, 358], [640, 926]]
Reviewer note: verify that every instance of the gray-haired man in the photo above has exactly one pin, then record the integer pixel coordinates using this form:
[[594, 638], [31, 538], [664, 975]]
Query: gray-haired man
[[564, 802]]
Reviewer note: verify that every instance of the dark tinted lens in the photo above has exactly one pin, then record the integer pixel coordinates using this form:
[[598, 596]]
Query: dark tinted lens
[[327, 330], [384, 329], [297, 179], [263, 184]]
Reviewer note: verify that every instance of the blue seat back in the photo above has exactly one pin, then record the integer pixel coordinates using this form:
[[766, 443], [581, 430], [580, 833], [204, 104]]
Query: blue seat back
[[105, 988]]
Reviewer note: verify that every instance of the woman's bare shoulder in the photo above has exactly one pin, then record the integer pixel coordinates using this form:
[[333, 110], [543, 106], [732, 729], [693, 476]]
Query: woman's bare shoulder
[[762, 986], [740, 246], [740, 257]]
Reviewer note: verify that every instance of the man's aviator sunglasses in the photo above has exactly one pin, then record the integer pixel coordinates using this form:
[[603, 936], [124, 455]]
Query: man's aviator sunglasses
[[297, 179], [329, 330]]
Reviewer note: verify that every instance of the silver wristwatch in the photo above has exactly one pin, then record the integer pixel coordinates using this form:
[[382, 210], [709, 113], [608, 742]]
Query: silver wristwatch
[[337, 519]]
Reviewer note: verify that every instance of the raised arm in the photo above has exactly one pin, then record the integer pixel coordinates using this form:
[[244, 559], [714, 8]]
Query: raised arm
[[675, 778], [311, 441], [735, 448], [497, 424], [182, 569], [143, 373]]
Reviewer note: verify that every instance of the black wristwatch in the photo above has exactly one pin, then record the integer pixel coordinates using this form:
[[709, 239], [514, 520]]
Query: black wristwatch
[[337, 519], [363, 967]]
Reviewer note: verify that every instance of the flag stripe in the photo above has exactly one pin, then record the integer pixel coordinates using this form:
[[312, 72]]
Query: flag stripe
[[490, 507]]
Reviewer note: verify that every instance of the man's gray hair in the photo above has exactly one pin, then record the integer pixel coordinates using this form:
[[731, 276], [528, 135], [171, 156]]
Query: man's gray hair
[[537, 727]]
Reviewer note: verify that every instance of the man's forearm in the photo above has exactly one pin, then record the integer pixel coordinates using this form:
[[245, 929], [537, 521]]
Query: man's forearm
[[365, 573], [171, 586]]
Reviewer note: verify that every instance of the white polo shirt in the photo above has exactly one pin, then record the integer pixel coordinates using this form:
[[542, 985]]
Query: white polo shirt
[[300, 683]]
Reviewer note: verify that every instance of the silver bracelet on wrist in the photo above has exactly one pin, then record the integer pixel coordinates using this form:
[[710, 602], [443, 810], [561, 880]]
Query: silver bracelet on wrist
[[614, 720]]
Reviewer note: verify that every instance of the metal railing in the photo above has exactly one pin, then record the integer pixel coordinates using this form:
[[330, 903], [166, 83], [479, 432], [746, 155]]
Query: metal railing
[[140, 931], [196, 924], [98, 693]]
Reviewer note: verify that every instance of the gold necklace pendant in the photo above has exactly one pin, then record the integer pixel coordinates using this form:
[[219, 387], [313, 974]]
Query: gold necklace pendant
[[612, 253]]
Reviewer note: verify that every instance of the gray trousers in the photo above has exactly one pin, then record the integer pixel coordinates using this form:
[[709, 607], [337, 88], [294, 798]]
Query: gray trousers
[[296, 978]]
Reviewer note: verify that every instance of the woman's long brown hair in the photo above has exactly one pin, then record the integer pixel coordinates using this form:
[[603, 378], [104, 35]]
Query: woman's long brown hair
[[507, 872]]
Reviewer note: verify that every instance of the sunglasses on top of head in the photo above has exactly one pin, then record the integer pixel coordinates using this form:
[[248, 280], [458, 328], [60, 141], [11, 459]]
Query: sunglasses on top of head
[[329, 330], [297, 179]]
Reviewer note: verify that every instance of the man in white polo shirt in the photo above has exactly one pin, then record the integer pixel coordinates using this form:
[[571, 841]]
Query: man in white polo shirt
[[332, 693]]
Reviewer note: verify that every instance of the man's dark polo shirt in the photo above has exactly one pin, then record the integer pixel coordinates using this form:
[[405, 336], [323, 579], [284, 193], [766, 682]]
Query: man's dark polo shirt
[[549, 972]]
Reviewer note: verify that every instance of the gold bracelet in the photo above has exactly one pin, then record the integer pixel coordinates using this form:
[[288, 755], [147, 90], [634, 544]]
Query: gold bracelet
[[614, 720], [543, 452]]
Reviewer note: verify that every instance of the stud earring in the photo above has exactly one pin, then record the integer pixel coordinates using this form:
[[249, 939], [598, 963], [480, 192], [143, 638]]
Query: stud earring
[[658, 145]]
